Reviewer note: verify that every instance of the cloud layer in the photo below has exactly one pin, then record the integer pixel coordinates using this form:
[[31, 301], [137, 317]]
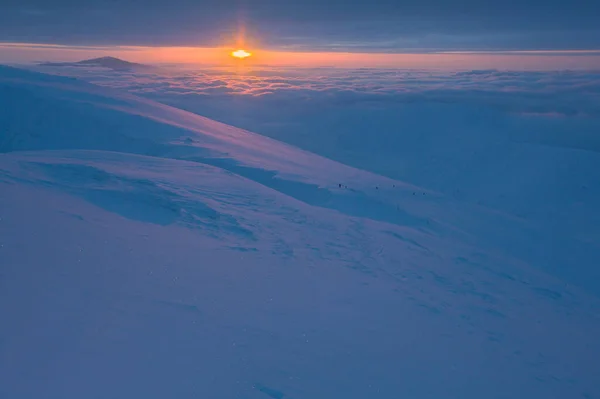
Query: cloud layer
[[557, 93], [400, 115], [383, 25]]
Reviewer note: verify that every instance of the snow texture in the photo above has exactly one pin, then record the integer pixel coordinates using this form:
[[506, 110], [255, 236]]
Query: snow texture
[[148, 252]]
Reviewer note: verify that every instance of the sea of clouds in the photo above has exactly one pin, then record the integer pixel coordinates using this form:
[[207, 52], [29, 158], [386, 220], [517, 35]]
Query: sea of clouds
[[416, 121]]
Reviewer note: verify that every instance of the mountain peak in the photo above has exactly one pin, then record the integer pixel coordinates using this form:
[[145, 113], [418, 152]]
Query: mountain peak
[[105, 62]]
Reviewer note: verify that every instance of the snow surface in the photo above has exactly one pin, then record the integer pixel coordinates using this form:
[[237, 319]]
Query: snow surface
[[147, 252], [523, 144]]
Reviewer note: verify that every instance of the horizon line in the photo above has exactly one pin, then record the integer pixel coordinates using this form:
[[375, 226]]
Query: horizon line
[[400, 51]]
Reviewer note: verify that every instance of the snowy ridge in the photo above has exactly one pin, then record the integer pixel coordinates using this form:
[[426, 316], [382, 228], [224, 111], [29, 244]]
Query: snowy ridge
[[149, 252], [174, 132], [126, 123]]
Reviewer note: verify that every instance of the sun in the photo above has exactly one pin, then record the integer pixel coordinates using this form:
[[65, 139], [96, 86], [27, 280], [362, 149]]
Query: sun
[[241, 54]]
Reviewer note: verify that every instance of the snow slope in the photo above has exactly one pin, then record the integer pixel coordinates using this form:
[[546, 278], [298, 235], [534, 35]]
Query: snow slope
[[149, 252], [521, 144]]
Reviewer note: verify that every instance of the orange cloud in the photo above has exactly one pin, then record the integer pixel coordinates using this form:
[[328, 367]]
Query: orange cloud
[[28, 52]]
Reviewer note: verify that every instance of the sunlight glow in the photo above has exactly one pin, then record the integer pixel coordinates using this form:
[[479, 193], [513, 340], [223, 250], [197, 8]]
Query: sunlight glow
[[241, 54], [223, 56]]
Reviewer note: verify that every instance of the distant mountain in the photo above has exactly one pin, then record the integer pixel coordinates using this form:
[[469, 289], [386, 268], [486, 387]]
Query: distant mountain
[[104, 62]]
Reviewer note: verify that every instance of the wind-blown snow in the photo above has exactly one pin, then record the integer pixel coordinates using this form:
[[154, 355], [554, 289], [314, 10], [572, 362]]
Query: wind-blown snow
[[149, 252]]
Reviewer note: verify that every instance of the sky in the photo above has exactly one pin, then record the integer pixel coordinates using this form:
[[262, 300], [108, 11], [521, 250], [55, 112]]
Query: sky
[[307, 26]]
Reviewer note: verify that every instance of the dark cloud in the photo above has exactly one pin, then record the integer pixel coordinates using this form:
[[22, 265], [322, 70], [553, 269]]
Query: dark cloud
[[382, 25]]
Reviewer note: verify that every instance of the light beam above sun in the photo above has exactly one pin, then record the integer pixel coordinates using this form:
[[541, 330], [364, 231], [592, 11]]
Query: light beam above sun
[[241, 54]]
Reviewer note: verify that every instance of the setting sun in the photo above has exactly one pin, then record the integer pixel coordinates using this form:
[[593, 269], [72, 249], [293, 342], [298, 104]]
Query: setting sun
[[241, 54]]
